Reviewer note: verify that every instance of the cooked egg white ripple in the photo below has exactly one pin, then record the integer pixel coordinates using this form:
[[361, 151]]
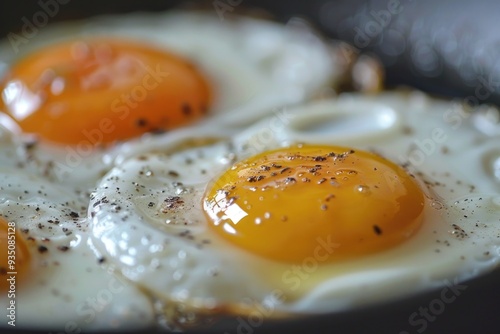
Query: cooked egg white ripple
[[147, 219]]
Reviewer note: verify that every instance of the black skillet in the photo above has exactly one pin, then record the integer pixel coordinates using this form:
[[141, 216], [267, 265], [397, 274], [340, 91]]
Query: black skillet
[[448, 48]]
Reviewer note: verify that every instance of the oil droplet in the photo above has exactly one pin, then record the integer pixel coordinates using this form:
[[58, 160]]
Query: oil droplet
[[491, 164], [436, 205], [267, 215], [487, 120], [496, 168], [258, 221], [334, 183], [364, 189], [181, 254]]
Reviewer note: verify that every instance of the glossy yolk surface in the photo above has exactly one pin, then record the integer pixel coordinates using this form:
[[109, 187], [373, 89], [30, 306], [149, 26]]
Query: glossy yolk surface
[[14, 255], [331, 202], [102, 90]]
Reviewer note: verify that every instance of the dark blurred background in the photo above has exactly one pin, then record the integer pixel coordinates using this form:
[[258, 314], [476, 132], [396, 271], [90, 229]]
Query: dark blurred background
[[445, 47]]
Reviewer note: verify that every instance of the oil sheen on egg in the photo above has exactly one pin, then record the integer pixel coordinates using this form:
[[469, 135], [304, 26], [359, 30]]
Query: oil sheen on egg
[[194, 229]]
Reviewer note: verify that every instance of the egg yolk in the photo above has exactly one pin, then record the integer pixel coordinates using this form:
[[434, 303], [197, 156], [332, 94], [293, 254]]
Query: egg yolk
[[305, 201], [102, 90], [14, 255]]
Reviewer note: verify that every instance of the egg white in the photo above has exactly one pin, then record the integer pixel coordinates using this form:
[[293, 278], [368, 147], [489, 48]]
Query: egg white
[[65, 285]]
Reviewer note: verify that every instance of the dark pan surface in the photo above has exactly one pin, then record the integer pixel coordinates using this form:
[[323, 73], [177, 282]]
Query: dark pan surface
[[448, 48]]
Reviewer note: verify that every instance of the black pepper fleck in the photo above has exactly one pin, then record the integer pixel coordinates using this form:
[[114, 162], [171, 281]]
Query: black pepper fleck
[[186, 109], [141, 122], [377, 229], [63, 248], [173, 173]]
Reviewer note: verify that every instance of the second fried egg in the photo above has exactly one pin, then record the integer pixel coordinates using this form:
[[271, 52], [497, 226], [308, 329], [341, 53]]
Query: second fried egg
[[211, 229]]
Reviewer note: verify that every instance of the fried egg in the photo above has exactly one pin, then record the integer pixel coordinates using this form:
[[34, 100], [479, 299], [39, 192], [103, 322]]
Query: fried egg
[[319, 208], [254, 198], [118, 73]]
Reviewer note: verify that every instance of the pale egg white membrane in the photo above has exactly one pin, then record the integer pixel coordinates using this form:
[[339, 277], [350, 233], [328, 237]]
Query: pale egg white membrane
[[158, 238]]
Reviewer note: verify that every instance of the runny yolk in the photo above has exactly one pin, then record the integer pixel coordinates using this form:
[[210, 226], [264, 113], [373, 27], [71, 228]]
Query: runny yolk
[[102, 90], [314, 201], [14, 256]]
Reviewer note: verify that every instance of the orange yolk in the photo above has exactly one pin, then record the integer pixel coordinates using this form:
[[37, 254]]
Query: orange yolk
[[14, 255], [287, 204], [103, 90]]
